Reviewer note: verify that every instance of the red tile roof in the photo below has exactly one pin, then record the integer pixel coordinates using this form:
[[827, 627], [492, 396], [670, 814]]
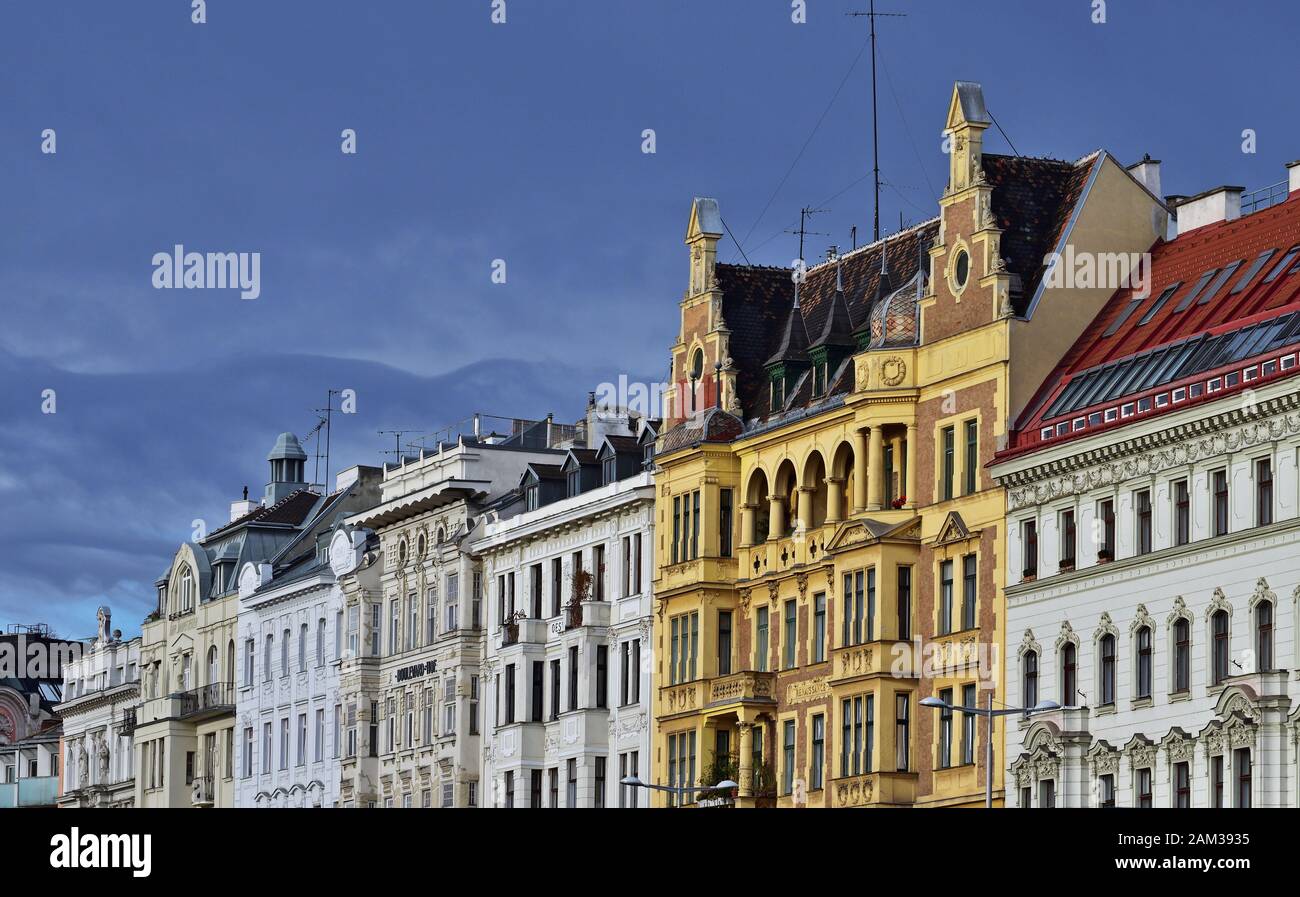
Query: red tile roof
[[1220, 297]]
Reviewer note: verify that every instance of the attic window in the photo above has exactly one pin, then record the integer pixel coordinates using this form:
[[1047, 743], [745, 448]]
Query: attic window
[[778, 393], [531, 497], [1245, 279], [819, 378], [1219, 282], [575, 482], [609, 470], [961, 268], [1281, 266]]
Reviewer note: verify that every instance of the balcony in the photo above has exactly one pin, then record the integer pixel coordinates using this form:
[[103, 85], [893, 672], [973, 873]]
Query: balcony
[[874, 789], [41, 791], [873, 659], [206, 701], [523, 631], [744, 687], [587, 613], [202, 792]]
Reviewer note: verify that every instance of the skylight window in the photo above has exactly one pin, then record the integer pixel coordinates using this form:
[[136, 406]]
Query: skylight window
[[1159, 303], [1196, 290], [1281, 266], [1123, 316], [1219, 282], [1246, 278]]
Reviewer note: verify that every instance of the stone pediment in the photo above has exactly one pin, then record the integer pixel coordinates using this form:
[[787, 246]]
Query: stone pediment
[[954, 529], [866, 531]]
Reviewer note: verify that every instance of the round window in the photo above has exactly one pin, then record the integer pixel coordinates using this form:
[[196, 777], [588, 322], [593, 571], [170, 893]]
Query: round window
[[961, 270], [697, 365], [420, 549]]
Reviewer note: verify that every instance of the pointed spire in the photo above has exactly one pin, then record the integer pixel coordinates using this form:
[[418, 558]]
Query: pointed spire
[[794, 337], [837, 331]]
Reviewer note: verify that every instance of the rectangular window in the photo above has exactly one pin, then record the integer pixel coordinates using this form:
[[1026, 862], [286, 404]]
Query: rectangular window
[[536, 699], [725, 525], [625, 578], [945, 729], [1182, 513], [1029, 547], [284, 743], [1106, 511], [904, 603], [869, 734], [509, 791], [949, 437], [535, 590], [677, 527], [1263, 492], [819, 627], [1216, 782], [787, 757], [724, 643], [509, 708], [599, 797], [602, 676], [557, 577], [817, 773], [535, 788], [1144, 800], [1182, 786], [476, 611], [1220, 502], [945, 597], [302, 739], [969, 591], [972, 456], [319, 754], [555, 689], [902, 732], [1047, 793], [1106, 790], [451, 605], [761, 640], [1241, 764], [968, 699], [571, 788], [695, 525], [636, 564], [1142, 505], [248, 752], [573, 677], [598, 573], [1069, 539], [789, 634]]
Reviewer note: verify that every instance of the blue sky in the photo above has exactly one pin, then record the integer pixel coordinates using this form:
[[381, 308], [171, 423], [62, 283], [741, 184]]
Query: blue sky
[[476, 142]]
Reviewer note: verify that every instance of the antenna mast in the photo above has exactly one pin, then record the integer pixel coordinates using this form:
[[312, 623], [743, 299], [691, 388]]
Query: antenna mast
[[875, 129], [804, 214]]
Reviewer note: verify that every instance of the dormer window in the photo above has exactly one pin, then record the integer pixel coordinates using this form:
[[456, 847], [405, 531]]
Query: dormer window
[[778, 393], [575, 482], [187, 591], [819, 378], [648, 454], [609, 470], [532, 496]]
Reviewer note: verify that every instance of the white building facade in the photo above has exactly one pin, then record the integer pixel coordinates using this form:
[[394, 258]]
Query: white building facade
[[100, 693], [1154, 543], [411, 687], [568, 652]]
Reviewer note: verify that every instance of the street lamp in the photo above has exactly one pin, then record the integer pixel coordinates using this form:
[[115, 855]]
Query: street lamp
[[679, 791], [989, 713]]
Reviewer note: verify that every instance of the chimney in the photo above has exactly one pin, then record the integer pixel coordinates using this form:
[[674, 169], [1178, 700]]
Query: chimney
[[1293, 176], [240, 508], [1147, 173], [1210, 207]]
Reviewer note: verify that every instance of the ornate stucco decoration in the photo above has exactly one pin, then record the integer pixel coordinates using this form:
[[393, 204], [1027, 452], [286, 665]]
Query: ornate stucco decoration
[[1103, 759], [1141, 617], [1179, 746], [1105, 627], [893, 370], [1218, 602], [1067, 635], [1262, 593], [1029, 643], [1180, 612]]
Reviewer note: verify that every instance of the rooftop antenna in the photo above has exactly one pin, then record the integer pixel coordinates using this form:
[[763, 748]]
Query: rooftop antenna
[[397, 435], [872, 15], [326, 424], [804, 214]]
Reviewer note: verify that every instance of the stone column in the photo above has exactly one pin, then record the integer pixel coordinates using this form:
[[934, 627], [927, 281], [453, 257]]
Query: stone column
[[834, 500], [805, 508], [910, 488], [776, 518], [861, 467], [876, 474], [747, 535], [746, 759], [899, 487]]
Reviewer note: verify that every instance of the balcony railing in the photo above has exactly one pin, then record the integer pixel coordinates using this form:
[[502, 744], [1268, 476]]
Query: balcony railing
[[207, 699], [747, 685], [41, 791], [202, 791]]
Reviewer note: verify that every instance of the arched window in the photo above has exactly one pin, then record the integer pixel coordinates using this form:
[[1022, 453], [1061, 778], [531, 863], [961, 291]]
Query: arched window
[[267, 653], [230, 662], [214, 671], [187, 590], [1069, 674], [1144, 657], [1030, 670], [1107, 647], [302, 649], [284, 654], [1220, 628], [320, 642], [1264, 636], [1182, 655]]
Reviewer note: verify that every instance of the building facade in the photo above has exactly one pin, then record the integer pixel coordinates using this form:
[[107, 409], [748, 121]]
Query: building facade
[[828, 540], [288, 706], [569, 641], [31, 687], [1153, 517], [100, 693], [411, 684], [184, 741]]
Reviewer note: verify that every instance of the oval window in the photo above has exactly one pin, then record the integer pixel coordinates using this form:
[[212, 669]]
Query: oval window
[[697, 365], [962, 269]]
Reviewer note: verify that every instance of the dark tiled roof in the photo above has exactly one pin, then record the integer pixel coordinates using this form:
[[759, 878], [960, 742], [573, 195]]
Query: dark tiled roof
[[1032, 203], [624, 444], [793, 346], [547, 471], [291, 510], [756, 303], [713, 425]]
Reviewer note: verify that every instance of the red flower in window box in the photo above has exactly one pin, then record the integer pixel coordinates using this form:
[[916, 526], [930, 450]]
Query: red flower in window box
[[898, 502]]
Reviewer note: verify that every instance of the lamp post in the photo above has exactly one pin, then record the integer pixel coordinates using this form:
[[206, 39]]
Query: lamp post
[[679, 790], [989, 713]]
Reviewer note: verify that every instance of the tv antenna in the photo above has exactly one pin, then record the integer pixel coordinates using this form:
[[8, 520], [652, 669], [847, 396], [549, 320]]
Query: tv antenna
[[872, 15], [324, 423], [803, 231], [397, 435]]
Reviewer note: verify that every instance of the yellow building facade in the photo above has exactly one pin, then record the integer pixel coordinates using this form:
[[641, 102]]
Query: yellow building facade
[[829, 543]]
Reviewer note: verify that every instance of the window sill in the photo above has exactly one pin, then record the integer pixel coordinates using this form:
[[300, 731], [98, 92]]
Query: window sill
[[1106, 709], [1141, 703]]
